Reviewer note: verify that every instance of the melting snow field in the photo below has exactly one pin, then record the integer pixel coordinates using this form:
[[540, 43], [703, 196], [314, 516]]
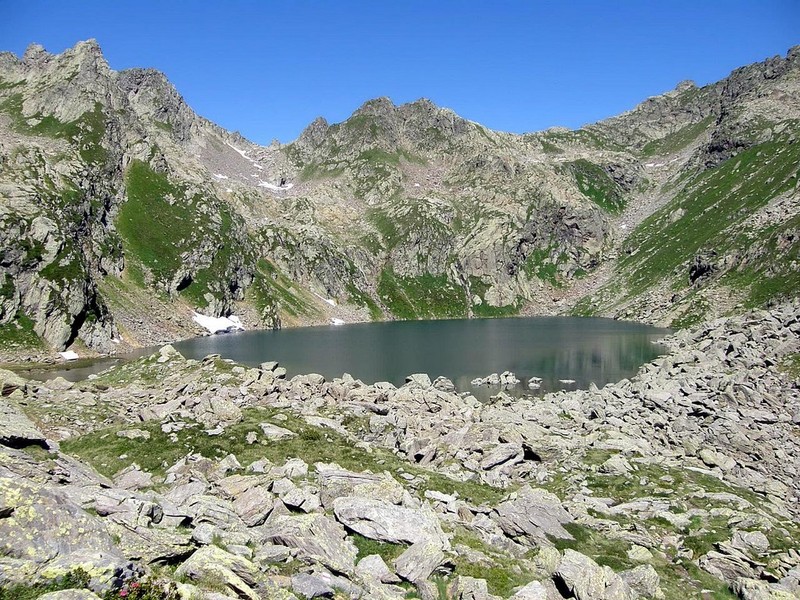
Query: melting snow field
[[218, 324], [264, 184], [275, 188]]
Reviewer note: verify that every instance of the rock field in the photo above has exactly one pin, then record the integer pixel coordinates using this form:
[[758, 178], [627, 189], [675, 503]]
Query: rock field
[[206, 479]]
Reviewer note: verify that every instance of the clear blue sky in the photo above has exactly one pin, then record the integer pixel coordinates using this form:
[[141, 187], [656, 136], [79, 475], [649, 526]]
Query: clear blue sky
[[267, 69]]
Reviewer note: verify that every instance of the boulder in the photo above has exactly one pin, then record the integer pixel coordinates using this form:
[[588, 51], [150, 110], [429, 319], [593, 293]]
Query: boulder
[[469, 588], [134, 434], [253, 505], [753, 589], [309, 585], [644, 580], [315, 537], [17, 430], [502, 454], [275, 433], [534, 512], [419, 379], [419, 561], [580, 577], [378, 520], [235, 573], [133, 478], [45, 532], [536, 590], [374, 567]]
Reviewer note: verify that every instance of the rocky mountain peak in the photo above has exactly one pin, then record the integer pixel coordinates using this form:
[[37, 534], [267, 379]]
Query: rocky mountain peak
[[376, 106], [35, 53], [685, 85], [313, 135], [154, 98]]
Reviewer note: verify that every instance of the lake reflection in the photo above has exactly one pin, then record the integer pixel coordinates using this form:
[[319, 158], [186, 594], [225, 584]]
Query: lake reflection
[[552, 348]]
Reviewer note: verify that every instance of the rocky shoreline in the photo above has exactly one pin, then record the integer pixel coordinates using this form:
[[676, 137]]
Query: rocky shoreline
[[206, 479]]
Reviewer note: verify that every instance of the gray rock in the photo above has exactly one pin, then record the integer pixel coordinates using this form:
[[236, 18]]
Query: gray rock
[[134, 434], [616, 465], [716, 459], [444, 384], [385, 522], [420, 379], [535, 590], [316, 539], [301, 499], [58, 384], [639, 554], [132, 478], [206, 508], [580, 576], [17, 430], [752, 589], [374, 567], [502, 454], [213, 411], [419, 561], [253, 505], [233, 572], [311, 586], [644, 580], [42, 530], [534, 512], [275, 433], [750, 541], [294, 468], [271, 554], [469, 588], [70, 595]]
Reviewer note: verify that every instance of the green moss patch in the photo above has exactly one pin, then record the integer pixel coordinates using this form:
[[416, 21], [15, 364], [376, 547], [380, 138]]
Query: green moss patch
[[18, 334], [594, 183], [425, 296]]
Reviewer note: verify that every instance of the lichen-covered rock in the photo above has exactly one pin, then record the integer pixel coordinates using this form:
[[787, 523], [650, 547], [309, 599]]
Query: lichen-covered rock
[[53, 535], [214, 564]]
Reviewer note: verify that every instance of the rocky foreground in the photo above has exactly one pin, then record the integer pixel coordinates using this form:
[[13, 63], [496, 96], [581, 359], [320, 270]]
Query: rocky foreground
[[205, 479]]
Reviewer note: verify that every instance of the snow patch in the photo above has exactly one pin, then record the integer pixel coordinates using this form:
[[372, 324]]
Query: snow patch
[[335, 321], [242, 152], [69, 355], [218, 324], [276, 188], [324, 299], [221, 176]]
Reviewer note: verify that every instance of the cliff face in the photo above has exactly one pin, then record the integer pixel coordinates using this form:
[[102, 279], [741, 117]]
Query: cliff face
[[122, 211]]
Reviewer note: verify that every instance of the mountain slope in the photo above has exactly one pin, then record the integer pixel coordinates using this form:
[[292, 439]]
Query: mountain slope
[[122, 211]]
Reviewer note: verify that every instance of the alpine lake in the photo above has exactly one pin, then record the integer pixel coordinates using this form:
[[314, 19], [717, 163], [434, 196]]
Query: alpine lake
[[564, 352]]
